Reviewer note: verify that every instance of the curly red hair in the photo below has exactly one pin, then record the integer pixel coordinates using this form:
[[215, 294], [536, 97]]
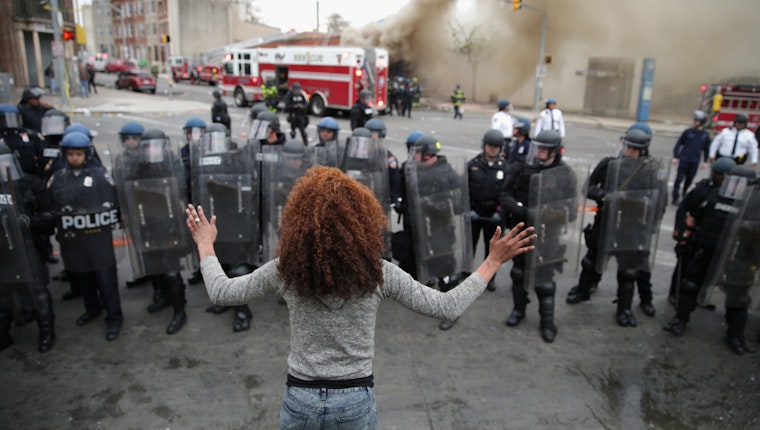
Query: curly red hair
[[331, 240]]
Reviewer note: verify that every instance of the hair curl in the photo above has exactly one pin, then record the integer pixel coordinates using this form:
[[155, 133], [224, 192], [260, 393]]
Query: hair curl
[[331, 240]]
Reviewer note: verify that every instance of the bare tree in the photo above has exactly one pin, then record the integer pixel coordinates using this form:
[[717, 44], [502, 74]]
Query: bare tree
[[336, 23], [472, 43]]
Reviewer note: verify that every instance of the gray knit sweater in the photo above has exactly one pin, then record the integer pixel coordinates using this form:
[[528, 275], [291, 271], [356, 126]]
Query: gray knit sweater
[[334, 339]]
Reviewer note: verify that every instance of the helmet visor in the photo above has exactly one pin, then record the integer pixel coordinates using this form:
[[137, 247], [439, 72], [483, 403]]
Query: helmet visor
[[259, 129], [8, 168], [734, 187], [193, 134], [10, 120], [53, 125], [153, 150], [539, 154], [359, 147], [215, 142]]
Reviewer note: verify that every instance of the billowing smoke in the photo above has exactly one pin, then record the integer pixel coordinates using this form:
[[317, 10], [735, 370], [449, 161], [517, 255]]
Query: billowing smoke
[[689, 39]]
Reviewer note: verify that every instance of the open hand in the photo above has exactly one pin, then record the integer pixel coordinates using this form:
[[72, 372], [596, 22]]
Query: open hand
[[203, 230], [515, 242]]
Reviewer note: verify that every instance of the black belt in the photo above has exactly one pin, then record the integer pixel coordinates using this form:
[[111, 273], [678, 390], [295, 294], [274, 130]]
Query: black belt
[[367, 381]]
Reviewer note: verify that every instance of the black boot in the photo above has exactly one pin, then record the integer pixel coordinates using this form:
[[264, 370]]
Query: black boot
[[47, 332], [736, 319], [176, 288], [178, 321], [675, 326], [195, 278], [624, 315], [519, 295], [243, 318], [6, 340], [160, 299], [546, 311]]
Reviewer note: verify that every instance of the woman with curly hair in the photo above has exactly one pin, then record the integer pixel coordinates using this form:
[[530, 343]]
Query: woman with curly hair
[[330, 271]]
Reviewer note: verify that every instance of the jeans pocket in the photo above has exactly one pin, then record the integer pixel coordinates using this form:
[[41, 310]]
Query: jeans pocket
[[291, 418], [361, 415]]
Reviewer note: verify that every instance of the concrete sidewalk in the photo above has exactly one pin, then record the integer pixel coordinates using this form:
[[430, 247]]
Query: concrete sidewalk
[[110, 101]]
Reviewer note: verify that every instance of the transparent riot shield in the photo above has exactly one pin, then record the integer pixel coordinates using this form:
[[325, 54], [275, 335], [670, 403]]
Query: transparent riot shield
[[438, 202], [366, 161], [17, 252], [634, 203], [279, 172], [228, 186], [152, 192], [556, 208], [733, 277], [84, 235], [334, 153]]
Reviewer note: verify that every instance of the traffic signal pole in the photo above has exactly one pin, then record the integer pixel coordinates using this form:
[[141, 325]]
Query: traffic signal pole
[[540, 66], [58, 52]]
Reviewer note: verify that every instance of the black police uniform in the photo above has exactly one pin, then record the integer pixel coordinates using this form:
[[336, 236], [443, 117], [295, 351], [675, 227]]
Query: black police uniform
[[219, 114], [486, 180], [86, 242], [296, 106], [359, 115]]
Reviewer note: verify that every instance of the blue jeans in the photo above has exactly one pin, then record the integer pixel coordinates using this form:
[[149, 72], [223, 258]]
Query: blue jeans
[[325, 408]]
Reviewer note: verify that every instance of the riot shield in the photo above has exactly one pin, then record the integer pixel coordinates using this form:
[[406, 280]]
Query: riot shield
[[83, 234], [733, 271], [556, 208], [17, 253], [334, 153], [152, 192], [279, 172], [634, 203], [366, 161], [228, 186], [438, 207]]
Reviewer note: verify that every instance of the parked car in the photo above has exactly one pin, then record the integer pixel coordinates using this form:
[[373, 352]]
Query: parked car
[[117, 66], [137, 80]]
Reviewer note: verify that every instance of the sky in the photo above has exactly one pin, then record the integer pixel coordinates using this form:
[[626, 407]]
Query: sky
[[301, 15]]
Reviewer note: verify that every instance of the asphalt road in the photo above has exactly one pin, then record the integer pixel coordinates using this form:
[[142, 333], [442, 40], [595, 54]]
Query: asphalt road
[[479, 375]]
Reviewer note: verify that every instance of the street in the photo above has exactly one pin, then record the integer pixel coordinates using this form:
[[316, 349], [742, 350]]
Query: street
[[479, 375]]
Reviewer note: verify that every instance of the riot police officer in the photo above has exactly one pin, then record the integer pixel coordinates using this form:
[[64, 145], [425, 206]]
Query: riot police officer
[[518, 149], [219, 111], [151, 184], [225, 184], [436, 214], [297, 106], [541, 191], [192, 133], [26, 209], [327, 130], [632, 183], [361, 111], [32, 109], [27, 143], [379, 131], [486, 173], [85, 196], [54, 125], [710, 209]]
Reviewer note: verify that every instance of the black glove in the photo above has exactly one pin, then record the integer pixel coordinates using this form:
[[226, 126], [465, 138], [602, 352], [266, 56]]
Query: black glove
[[596, 194]]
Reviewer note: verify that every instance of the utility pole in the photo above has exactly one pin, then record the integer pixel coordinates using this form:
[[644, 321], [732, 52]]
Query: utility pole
[[58, 52], [540, 66], [317, 29]]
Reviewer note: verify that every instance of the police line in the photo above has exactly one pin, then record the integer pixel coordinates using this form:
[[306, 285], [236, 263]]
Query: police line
[[89, 221]]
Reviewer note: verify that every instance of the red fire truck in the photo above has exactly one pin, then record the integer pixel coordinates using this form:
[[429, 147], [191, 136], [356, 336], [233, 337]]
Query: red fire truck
[[722, 102], [180, 68], [332, 76]]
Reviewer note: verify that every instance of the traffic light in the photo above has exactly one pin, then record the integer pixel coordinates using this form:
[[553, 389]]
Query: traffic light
[[165, 38], [548, 59], [68, 35], [516, 4]]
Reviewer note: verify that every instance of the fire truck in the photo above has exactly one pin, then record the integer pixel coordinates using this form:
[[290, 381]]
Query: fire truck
[[332, 76], [722, 102], [180, 68]]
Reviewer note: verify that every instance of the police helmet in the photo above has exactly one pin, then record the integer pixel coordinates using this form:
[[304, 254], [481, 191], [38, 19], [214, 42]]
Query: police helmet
[[636, 139], [503, 103], [293, 148], [256, 109], [9, 116], [79, 128], [328, 123], [31, 93], [297, 86], [54, 123], [643, 127], [522, 125], [723, 165], [741, 118], [493, 137], [427, 145], [217, 94], [271, 118], [364, 94], [376, 125], [700, 116], [193, 129], [194, 122], [413, 136], [361, 132], [215, 139], [546, 139], [132, 128], [551, 100], [742, 171], [77, 140]]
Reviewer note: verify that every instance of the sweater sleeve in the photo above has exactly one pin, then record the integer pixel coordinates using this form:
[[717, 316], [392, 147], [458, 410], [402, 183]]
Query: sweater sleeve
[[401, 287], [242, 289]]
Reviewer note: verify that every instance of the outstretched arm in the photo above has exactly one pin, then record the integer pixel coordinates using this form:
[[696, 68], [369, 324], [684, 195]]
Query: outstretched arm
[[203, 230]]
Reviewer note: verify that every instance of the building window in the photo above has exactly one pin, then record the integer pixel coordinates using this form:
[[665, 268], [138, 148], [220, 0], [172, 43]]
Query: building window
[[139, 8], [127, 9], [153, 7], [155, 28], [142, 30]]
